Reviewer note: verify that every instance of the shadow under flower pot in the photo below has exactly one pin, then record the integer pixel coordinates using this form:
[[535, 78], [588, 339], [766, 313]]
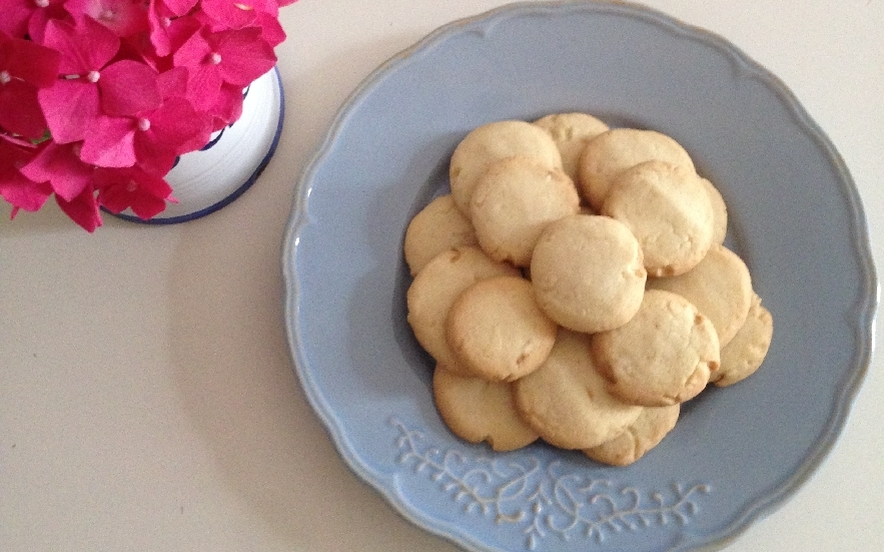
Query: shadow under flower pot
[[206, 180]]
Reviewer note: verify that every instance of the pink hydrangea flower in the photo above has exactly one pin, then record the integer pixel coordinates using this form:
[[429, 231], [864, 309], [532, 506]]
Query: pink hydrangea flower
[[141, 127], [73, 103], [98, 97], [61, 166], [235, 57], [120, 189]]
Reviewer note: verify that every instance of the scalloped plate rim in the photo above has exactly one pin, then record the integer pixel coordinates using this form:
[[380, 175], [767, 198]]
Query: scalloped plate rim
[[866, 307]]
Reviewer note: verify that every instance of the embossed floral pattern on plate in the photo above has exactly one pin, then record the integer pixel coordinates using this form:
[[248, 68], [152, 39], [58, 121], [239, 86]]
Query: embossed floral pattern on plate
[[541, 498]]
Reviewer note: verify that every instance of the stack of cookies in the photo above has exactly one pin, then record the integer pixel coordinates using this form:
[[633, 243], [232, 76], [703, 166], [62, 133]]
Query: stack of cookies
[[574, 287]]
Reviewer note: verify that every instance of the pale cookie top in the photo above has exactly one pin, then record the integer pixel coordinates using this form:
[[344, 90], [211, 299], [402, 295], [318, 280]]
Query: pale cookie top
[[663, 356], [492, 142], [614, 151], [438, 227], [497, 330], [512, 203], [719, 212], [720, 286], [435, 289], [645, 433], [566, 400], [477, 410], [668, 209], [746, 351], [571, 132], [587, 273]]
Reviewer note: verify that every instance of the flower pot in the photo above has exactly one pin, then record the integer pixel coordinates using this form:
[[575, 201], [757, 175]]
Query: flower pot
[[206, 180]]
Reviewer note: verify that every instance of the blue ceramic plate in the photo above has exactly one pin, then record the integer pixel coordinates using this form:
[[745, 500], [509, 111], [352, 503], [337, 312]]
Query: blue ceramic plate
[[796, 219]]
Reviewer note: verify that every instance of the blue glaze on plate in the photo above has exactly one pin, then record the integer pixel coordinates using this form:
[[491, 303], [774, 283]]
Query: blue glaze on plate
[[795, 217]]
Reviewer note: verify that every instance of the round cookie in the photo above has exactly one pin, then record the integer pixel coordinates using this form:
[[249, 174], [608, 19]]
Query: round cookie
[[512, 203], [668, 209], [719, 212], [477, 410], [566, 401], [645, 433], [492, 142], [571, 132], [587, 273], [438, 227], [434, 290], [720, 287], [746, 351], [497, 330], [663, 356], [614, 151]]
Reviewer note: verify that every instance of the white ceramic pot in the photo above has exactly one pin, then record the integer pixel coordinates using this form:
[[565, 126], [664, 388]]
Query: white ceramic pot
[[206, 180]]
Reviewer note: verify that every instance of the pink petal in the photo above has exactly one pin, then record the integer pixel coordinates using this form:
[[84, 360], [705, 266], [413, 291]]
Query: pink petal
[[84, 47], [147, 206], [59, 165], [268, 7], [110, 143], [40, 18], [167, 35], [19, 111], [193, 52], [82, 209], [178, 125], [271, 30], [128, 88], [15, 18], [227, 107], [111, 185], [15, 188], [124, 17], [140, 49], [7, 49], [70, 106], [153, 157], [198, 139], [180, 7], [158, 20], [204, 86], [23, 193], [245, 56], [173, 83], [228, 13], [14, 151], [120, 189], [153, 152], [33, 63]]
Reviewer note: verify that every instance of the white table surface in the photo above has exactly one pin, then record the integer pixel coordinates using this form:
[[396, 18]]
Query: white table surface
[[147, 398]]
